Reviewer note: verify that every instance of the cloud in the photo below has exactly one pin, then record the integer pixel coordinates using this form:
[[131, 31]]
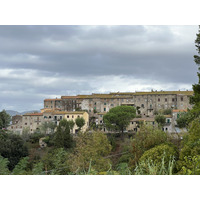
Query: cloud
[[38, 62]]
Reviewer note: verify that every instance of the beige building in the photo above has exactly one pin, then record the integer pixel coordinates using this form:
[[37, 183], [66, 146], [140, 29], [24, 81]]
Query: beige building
[[33, 121]]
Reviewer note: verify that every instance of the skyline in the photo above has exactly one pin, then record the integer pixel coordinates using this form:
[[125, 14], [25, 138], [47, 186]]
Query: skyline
[[39, 62]]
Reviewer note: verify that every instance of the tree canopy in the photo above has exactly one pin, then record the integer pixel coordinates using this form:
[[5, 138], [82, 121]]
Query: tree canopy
[[118, 118], [5, 119], [80, 122], [63, 137]]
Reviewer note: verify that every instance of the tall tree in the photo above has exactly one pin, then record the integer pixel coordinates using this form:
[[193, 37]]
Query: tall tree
[[80, 122], [62, 137], [5, 119], [196, 87], [118, 118]]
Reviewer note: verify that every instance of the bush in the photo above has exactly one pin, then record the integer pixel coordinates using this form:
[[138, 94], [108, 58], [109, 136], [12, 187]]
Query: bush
[[158, 153], [147, 138]]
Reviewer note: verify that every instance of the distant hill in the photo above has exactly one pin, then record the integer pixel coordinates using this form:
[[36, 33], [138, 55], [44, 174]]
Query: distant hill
[[13, 112]]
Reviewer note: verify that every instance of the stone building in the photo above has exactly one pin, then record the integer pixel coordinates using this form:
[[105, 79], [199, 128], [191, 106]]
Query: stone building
[[146, 102]]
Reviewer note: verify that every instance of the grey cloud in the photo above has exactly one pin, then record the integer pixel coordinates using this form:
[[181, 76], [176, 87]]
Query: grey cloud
[[51, 60]]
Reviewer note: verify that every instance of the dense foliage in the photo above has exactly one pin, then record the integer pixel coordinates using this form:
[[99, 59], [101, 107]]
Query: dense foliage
[[4, 119], [118, 118]]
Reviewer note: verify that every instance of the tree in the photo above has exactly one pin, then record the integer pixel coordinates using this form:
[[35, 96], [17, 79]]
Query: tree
[[190, 145], [196, 87], [118, 118], [184, 119], [147, 138], [80, 122], [71, 124], [12, 147], [55, 161], [91, 150], [157, 153], [47, 127], [160, 119], [63, 138], [5, 119]]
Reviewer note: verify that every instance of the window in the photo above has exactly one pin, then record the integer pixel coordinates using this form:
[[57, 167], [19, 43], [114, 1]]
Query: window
[[165, 99], [67, 116], [168, 120], [104, 109], [45, 117], [78, 116], [104, 103], [158, 99], [100, 122], [142, 105], [49, 117], [25, 124], [112, 105], [166, 129], [132, 122], [72, 116], [173, 99], [95, 103], [181, 98], [60, 117]]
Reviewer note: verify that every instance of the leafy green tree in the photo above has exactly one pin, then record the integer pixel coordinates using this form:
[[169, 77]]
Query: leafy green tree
[[160, 119], [118, 118], [5, 119], [12, 147], [63, 137], [184, 119], [147, 138], [91, 150], [80, 122], [4, 166]]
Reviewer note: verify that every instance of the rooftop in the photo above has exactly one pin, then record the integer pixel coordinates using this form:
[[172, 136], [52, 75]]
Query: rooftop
[[33, 114]]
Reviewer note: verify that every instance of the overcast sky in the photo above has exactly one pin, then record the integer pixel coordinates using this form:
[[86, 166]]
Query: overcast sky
[[38, 62]]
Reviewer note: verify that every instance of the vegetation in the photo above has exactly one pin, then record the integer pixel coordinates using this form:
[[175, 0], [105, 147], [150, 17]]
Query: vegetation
[[160, 119], [91, 149], [118, 118], [4, 119], [80, 122], [63, 138], [149, 152]]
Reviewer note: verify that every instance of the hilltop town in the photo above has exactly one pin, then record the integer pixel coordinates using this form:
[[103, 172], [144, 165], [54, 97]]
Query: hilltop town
[[93, 107]]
